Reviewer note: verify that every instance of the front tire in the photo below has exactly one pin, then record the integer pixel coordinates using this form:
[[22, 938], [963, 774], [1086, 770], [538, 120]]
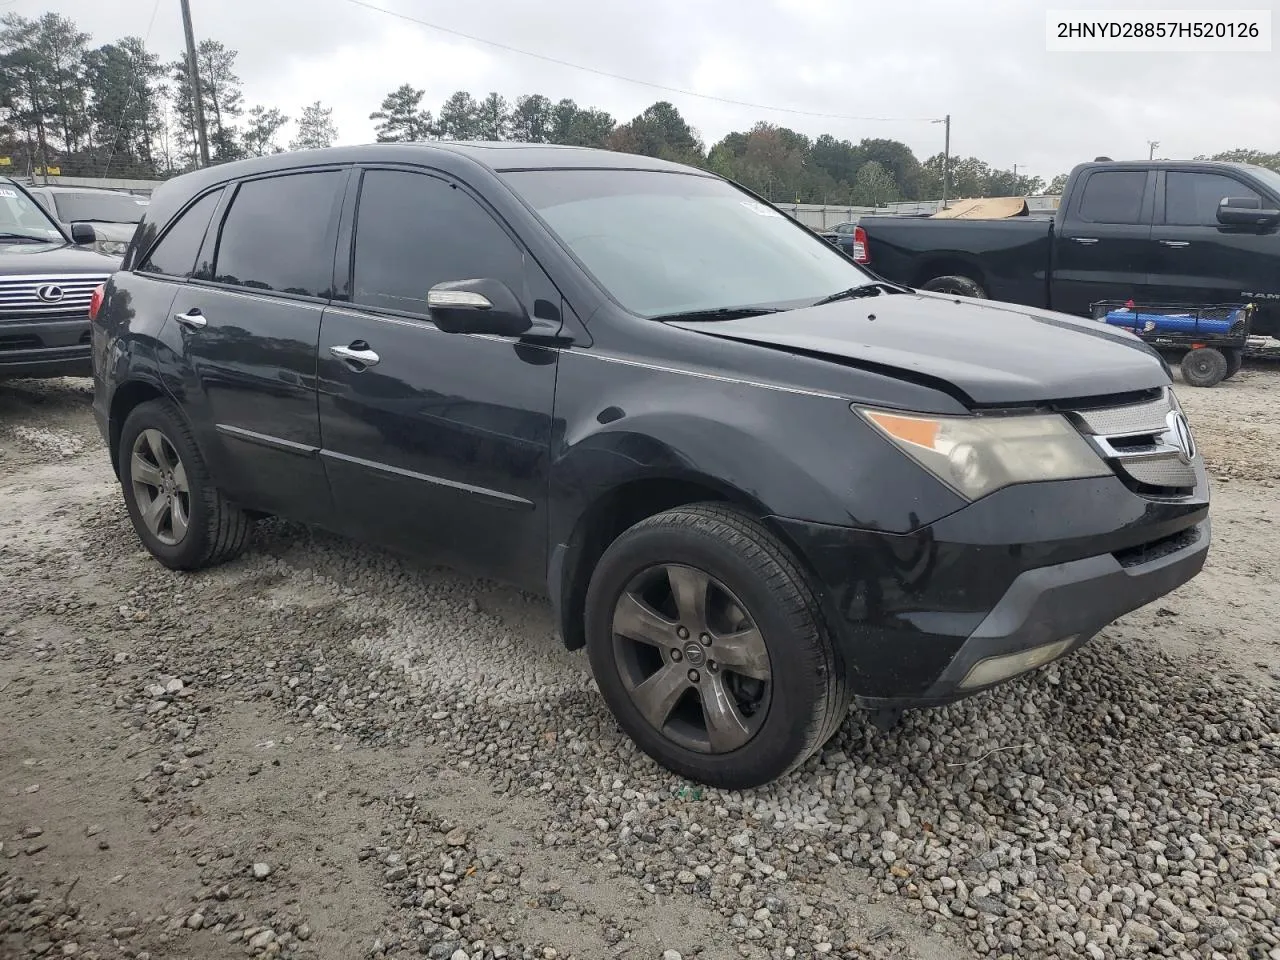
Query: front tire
[[1204, 367], [183, 520], [696, 583]]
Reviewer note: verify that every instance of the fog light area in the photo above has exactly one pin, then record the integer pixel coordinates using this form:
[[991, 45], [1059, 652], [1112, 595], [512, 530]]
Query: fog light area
[[995, 669]]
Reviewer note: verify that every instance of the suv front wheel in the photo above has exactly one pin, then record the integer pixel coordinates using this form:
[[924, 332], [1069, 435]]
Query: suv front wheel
[[709, 646], [181, 517]]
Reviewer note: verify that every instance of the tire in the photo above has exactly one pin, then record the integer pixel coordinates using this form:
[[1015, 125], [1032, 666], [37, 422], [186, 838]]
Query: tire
[[956, 286], [1204, 367], [779, 708], [1235, 360], [199, 527]]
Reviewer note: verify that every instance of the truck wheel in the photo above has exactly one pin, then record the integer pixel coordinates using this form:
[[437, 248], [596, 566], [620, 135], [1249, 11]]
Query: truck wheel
[[956, 286], [708, 644], [1235, 360], [183, 520], [1204, 367]]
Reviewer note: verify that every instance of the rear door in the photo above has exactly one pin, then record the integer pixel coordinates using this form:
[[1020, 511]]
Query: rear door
[[1197, 259], [1103, 251], [246, 327]]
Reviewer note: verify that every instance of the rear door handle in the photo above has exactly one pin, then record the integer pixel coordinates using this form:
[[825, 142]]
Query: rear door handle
[[1085, 239], [358, 354], [1176, 243], [192, 320]]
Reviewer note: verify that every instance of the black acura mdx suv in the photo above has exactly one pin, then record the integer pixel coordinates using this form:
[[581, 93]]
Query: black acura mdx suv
[[756, 481]]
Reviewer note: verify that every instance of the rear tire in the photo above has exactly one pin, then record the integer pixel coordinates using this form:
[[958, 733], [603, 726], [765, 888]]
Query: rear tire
[[1204, 367], [668, 693], [956, 286], [183, 520]]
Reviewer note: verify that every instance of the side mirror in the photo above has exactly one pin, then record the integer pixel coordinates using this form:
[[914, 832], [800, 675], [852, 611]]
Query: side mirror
[[1246, 212], [477, 306], [83, 234]]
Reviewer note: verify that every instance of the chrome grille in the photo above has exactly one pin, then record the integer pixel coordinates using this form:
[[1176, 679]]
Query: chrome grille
[[20, 296], [1141, 443]]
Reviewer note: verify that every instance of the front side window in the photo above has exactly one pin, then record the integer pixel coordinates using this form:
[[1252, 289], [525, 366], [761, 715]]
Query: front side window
[[1191, 199], [175, 254], [414, 231], [279, 234], [1114, 196], [662, 243]]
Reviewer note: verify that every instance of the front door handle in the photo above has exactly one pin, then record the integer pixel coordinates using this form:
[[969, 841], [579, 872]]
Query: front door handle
[[1176, 243], [358, 354], [192, 320], [1085, 240]]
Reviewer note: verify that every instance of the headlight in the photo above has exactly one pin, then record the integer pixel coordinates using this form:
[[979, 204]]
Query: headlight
[[977, 455], [112, 248]]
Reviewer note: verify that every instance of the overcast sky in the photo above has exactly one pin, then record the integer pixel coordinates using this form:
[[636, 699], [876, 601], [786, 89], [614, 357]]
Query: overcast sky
[[984, 63]]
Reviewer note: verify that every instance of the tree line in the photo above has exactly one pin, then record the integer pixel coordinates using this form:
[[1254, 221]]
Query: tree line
[[122, 110]]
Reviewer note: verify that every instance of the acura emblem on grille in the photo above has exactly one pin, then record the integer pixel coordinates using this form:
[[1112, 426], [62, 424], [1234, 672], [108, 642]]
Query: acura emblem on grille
[[1180, 436], [50, 293]]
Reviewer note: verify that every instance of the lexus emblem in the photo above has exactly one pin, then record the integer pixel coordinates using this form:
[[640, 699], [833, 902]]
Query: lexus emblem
[[1179, 434], [50, 293]]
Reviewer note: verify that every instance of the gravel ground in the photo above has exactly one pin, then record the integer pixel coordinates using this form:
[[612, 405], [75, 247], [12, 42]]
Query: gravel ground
[[323, 751]]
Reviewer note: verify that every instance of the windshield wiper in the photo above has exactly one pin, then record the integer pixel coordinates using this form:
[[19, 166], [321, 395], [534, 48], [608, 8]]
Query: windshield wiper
[[873, 289], [24, 236], [719, 313]]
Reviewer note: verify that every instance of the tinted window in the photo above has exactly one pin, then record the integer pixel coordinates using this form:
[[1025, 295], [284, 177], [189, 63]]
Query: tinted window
[[414, 231], [1114, 196], [175, 254], [1191, 199], [671, 242], [279, 234], [101, 207]]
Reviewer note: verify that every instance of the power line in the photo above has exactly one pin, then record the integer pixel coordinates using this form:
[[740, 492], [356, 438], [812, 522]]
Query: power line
[[625, 79]]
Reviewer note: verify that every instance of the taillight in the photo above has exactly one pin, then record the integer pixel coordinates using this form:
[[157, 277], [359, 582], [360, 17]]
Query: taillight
[[860, 254], [95, 301]]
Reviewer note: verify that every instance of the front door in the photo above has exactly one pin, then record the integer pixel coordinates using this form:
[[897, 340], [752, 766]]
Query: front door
[[247, 326], [1104, 250], [1200, 261], [436, 443]]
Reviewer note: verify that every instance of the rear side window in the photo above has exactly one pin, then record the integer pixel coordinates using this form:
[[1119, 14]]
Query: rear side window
[[1113, 196], [1191, 199], [279, 234], [175, 254], [414, 231]]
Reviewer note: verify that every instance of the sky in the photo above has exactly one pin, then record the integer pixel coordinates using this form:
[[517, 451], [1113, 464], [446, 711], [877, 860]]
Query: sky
[[1011, 102]]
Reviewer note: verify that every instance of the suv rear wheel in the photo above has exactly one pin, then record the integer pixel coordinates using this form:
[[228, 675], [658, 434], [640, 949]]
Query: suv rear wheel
[[180, 516], [708, 644]]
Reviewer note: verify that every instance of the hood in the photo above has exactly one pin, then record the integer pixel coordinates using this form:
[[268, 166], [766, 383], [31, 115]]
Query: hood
[[993, 353], [55, 257]]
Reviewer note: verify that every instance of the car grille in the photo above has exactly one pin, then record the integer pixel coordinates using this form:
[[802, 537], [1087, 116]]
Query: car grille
[[20, 296], [1142, 444]]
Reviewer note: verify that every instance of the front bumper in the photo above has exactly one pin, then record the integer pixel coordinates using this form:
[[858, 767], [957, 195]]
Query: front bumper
[[45, 348], [916, 613]]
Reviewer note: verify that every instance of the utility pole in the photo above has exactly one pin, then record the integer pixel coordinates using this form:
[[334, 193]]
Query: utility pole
[[946, 157], [1151, 152], [193, 74]]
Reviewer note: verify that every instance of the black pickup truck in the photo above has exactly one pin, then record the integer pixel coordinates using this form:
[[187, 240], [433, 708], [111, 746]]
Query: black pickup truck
[[1159, 231]]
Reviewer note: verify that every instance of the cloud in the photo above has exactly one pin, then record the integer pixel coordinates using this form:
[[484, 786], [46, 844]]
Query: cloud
[[1010, 100]]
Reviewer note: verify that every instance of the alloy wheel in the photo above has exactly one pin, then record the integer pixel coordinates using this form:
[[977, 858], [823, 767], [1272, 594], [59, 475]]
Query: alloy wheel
[[160, 486]]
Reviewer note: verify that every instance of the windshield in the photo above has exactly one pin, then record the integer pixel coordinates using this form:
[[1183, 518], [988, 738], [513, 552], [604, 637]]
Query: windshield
[[1268, 177], [99, 207], [22, 216], [663, 243]]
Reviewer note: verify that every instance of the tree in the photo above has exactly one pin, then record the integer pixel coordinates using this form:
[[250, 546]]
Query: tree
[[223, 101], [1057, 185], [660, 131], [259, 137], [401, 119], [531, 120], [125, 105], [1256, 157], [493, 118], [315, 128], [874, 185], [459, 117], [41, 81]]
